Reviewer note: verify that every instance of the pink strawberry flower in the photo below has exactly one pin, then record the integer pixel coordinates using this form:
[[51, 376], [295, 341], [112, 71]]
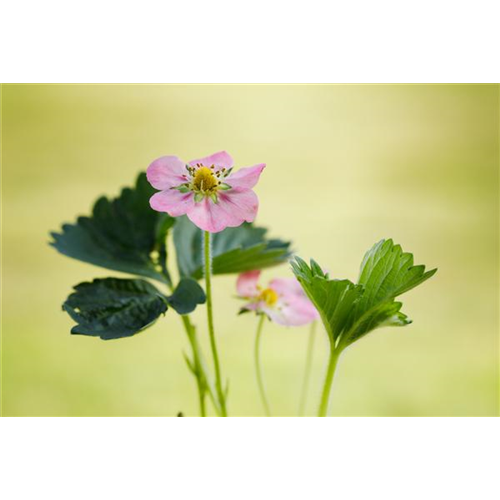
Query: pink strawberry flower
[[206, 190], [283, 301]]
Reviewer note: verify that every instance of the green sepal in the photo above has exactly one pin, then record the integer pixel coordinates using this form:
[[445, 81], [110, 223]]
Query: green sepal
[[183, 188]]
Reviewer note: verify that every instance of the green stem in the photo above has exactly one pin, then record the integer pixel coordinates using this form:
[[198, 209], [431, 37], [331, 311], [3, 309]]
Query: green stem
[[202, 379], [213, 345], [201, 372], [201, 398], [205, 373], [307, 371], [258, 371], [325, 395]]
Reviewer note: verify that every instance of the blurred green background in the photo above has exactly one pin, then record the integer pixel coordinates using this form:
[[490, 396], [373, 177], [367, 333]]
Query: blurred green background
[[347, 166]]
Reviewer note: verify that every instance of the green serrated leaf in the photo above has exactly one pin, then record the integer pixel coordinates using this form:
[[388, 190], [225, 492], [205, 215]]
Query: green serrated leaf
[[334, 299], [123, 234], [351, 311], [113, 308], [186, 296], [387, 272], [234, 250], [383, 314], [316, 268]]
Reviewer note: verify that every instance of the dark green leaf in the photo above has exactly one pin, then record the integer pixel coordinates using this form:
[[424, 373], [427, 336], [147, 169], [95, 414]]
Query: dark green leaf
[[123, 234], [234, 250], [113, 308], [187, 296]]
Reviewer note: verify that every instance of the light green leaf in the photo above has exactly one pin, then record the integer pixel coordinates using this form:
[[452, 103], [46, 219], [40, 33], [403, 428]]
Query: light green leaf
[[351, 311], [387, 272], [123, 234], [234, 250], [334, 299], [383, 314]]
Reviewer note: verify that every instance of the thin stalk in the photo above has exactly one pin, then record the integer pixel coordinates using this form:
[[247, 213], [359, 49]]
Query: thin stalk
[[213, 345], [258, 371], [201, 372], [307, 370], [201, 398], [330, 371], [199, 360], [202, 376]]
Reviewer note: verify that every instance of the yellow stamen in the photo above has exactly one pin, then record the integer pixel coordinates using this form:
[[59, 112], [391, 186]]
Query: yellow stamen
[[269, 296], [204, 180]]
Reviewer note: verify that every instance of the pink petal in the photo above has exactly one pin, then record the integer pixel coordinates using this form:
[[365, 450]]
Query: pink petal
[[246, 285], [240, 205], [287, 287], [222, 159], [167, 172], [172, 201], [245, 178], [232, 209], [293, 313], [208, 216]]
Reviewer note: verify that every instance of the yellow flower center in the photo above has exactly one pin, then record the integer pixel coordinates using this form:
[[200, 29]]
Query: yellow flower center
[[204, 180], [269, 296]]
